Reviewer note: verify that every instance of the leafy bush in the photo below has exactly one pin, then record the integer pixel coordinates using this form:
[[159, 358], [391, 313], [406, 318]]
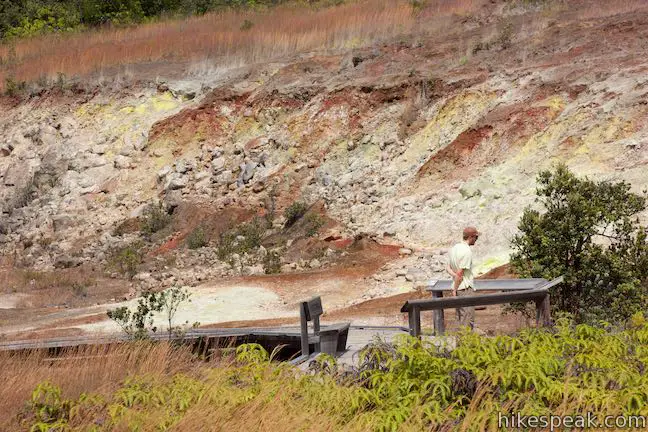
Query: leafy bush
[[197, 239], [272, 263], [408, 385], [313, 223], [247, 25], [36, 17], [14, 88], [127, 259], [229, 243], [589, 232], [154, 218], [138, 323], [294, 212]]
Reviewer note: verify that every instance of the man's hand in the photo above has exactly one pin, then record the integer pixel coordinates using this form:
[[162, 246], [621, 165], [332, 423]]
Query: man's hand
[[454, 292]]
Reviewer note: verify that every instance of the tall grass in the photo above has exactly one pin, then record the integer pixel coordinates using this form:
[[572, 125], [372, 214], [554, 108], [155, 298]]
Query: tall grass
[[221, 37], [410, 386], [94, 369]]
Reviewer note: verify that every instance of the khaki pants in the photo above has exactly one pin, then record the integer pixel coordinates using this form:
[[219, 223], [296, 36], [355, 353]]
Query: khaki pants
[[466, 315]]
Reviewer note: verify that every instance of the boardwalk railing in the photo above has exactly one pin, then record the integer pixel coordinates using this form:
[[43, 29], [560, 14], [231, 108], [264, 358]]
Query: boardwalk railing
[[539, 295]]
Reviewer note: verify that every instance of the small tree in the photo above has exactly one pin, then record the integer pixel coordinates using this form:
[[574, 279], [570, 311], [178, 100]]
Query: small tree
[[171, 300], [138, 323], [589, 232]]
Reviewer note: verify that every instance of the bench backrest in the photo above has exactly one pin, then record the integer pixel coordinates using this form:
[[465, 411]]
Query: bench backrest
[[313, 308], [309, 311]]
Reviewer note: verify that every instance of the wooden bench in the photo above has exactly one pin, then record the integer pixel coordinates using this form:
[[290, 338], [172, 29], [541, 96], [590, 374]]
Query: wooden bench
[[330, 339], [539, 294]]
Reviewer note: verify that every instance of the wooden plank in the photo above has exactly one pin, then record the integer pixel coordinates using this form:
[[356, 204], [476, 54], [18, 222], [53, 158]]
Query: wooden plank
[[475, 300], [315, 308], [489, 284]]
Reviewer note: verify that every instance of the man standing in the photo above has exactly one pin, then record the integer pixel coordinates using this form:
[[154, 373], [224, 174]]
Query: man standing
[[460, 267]]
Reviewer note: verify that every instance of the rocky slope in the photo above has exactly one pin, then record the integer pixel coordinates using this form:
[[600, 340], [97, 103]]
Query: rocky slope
[[400, 145]]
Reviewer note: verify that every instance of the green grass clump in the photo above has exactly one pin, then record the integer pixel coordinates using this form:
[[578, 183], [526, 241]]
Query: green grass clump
[[197, 239], [294, 212], [154, 218], [410, 385], [229, 242]]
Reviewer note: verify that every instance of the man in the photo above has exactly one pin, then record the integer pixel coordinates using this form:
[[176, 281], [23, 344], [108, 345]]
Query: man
[[460, 267]]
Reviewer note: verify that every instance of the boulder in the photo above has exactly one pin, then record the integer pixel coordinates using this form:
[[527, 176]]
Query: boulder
[[218, 165], [176, 181], [63, 221], [162, 173], [122, 162]]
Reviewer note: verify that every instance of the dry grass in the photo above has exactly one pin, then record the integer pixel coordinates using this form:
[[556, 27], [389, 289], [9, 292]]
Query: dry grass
[[608, 8], [219, 38], [101, 371]]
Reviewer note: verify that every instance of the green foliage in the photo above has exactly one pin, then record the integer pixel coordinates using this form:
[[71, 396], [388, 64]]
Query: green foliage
[[14, 88], [313, 223], [127, 259], [245, 238], [154, 218], [49, 411], [294, 212], [197, 239], [588, 232], [272, 263], [247, 25], [408, 385], [139, 323], [27, 18]]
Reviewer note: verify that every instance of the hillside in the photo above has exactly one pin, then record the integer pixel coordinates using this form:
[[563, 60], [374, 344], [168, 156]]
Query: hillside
[[395, 136]]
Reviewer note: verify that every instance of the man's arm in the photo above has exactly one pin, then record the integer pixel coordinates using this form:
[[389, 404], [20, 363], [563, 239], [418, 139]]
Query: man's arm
[[458, 278], [450, 271]]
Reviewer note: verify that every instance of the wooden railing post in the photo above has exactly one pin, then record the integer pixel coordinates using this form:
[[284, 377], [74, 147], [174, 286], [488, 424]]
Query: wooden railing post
[[304, 329], [416, 312], [439, 324], [543, 312]]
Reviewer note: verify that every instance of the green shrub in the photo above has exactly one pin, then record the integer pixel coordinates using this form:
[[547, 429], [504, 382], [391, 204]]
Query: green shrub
[[313, 223], [197, 239], [589, 232], [272, 263], [138, 323], [247, 25], [409, 385], [127, 259], [154, 218], [14, 88], [252, 233], [294, 212]]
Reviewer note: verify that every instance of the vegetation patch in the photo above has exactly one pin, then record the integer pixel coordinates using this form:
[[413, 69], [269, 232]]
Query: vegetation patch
[[197, 238], [589, 232], [294, 212], [245, 238], [154, 218], [127, 259], [409, 385]]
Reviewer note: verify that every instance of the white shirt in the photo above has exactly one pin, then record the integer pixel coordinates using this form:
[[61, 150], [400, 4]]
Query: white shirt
[[460, 257]]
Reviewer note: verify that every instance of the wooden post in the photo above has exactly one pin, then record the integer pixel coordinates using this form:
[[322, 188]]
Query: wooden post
[[439, 324], [416, 319], [543, 312], [316, 330], [304, 329], [410, 318]]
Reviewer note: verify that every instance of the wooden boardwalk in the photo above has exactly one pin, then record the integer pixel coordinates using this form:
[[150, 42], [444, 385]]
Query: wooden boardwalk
[[360, 337]]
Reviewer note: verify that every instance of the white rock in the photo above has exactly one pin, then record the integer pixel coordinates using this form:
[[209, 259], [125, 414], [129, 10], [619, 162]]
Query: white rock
[[122, 162], [163, 172]]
